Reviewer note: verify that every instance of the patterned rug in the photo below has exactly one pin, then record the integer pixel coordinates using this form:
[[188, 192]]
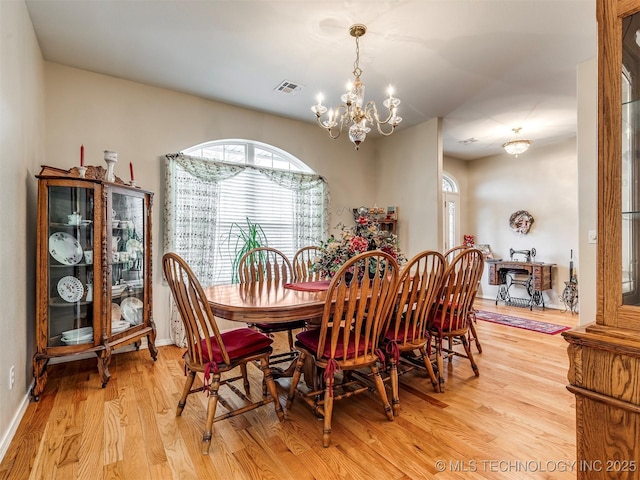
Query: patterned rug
[[524, 323]]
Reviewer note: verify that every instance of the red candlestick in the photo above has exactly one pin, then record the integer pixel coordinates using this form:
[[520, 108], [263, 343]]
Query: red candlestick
[[131, 170], [82, 155]]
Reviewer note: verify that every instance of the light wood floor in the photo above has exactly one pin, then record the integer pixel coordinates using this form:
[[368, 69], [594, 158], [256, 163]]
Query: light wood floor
[[515, 421]]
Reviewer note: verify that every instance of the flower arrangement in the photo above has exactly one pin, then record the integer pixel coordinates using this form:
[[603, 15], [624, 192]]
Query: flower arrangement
[[469, 241], [365, 235]]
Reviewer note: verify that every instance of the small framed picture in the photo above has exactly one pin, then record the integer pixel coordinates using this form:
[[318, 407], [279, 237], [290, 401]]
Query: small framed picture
[[392, 213], [485, 249]]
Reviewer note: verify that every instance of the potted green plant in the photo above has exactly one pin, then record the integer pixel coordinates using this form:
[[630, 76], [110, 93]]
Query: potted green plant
[[241, 239]]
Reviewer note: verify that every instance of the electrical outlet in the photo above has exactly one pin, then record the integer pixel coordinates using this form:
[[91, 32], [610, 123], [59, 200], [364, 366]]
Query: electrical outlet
[[12, 376]]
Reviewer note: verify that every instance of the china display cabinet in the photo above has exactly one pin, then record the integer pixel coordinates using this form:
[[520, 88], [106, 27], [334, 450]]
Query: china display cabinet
[[604, 356], [93, 279]]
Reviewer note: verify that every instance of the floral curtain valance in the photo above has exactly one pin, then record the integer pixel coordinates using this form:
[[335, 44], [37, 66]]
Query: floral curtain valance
[[215, 171]]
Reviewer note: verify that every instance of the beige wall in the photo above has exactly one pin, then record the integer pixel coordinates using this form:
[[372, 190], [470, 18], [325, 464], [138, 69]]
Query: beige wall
[[543, 181], [22, 140], [588, 186], [417, 150]]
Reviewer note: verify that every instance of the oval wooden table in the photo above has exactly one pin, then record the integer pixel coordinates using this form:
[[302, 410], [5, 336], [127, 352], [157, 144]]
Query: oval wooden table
[[267, 302], [271, 302]]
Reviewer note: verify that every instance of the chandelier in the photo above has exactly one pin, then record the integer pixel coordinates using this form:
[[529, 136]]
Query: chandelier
[[517, 145], [354, 111]]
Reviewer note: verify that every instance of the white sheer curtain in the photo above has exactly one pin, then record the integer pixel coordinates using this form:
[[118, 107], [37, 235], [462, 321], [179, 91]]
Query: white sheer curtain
[[192, 198]]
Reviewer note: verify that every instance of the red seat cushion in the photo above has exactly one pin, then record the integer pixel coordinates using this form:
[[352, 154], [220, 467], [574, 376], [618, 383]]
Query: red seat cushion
[[443, 324], [239, 343], [401, 338], [311, 338], [280, 326]]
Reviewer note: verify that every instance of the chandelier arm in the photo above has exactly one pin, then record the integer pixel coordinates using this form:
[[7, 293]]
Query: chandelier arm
[[341, 114], [372, 114], [382, 132]]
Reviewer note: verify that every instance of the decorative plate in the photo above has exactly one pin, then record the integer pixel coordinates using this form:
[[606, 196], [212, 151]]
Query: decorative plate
[[65, 248], [75, 337], [70, 289], [116, 313], [77, 332], [119, 326], [132, 310]]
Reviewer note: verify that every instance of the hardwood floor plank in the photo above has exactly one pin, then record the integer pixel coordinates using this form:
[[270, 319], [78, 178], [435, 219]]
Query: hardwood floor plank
[[517, 412]]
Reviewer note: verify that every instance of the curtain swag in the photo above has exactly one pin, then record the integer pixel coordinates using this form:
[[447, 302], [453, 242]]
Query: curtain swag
[[215, 171]]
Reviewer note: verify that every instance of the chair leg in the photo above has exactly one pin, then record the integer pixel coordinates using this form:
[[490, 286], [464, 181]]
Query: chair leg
[[245, 378], [328, 411], [429, 367], [295, 379], [271, 385], [191, 376], [211, 413], [472, 329], [381, 392], [290, 337], [395, 397], [440, 365], [467, 349]]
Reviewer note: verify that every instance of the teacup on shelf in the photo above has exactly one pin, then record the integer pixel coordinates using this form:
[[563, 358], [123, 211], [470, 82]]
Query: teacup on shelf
[[74, 219]]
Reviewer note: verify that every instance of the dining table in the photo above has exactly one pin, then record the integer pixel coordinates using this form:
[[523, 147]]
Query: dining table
[[267, 302], [271, 302]]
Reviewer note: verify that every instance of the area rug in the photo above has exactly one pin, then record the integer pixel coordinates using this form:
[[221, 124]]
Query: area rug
[[524, 323]]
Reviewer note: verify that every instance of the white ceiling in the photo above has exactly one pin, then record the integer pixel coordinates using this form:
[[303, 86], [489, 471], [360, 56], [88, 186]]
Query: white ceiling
[[484, 66]]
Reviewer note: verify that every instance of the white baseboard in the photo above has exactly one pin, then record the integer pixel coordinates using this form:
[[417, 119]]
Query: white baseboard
[[15, 422]]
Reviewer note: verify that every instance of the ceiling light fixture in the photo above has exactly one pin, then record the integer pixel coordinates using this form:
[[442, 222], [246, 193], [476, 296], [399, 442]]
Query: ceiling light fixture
[[517, 145], [354, 111]]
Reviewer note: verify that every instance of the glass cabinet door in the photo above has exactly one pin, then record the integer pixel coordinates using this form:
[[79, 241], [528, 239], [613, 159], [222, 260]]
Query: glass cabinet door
[[630, 173], [70, 265], [127, 260]]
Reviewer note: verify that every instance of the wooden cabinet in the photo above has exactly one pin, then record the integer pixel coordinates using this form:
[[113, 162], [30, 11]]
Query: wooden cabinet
[[605, 356], [93, 278]]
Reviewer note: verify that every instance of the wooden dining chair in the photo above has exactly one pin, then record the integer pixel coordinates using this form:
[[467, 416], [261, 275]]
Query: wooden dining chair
[[449, 255], [262, 265], [419, 290], [358, 301], [213, 353], [303, 261], [452, 316]]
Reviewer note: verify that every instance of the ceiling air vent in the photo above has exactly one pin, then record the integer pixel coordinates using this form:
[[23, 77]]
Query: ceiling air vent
[[469, 140], [288, 87]]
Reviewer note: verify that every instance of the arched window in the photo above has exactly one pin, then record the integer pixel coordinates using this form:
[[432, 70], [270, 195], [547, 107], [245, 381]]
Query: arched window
[[451, 214], [448, 184], [221, 193]]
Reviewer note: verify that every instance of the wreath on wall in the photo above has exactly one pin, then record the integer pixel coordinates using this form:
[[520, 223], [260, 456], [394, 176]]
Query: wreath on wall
[[520, 221]]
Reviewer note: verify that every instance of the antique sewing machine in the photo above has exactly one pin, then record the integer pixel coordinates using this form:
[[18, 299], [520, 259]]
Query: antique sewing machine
[[529, 254], [534, 277]]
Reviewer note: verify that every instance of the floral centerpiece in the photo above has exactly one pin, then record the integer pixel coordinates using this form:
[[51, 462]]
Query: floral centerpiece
[[365, 235]]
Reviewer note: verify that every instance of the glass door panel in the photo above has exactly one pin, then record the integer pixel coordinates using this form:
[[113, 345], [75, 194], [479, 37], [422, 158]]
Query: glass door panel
[[127, 272], [630, 171], [70, 266]]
